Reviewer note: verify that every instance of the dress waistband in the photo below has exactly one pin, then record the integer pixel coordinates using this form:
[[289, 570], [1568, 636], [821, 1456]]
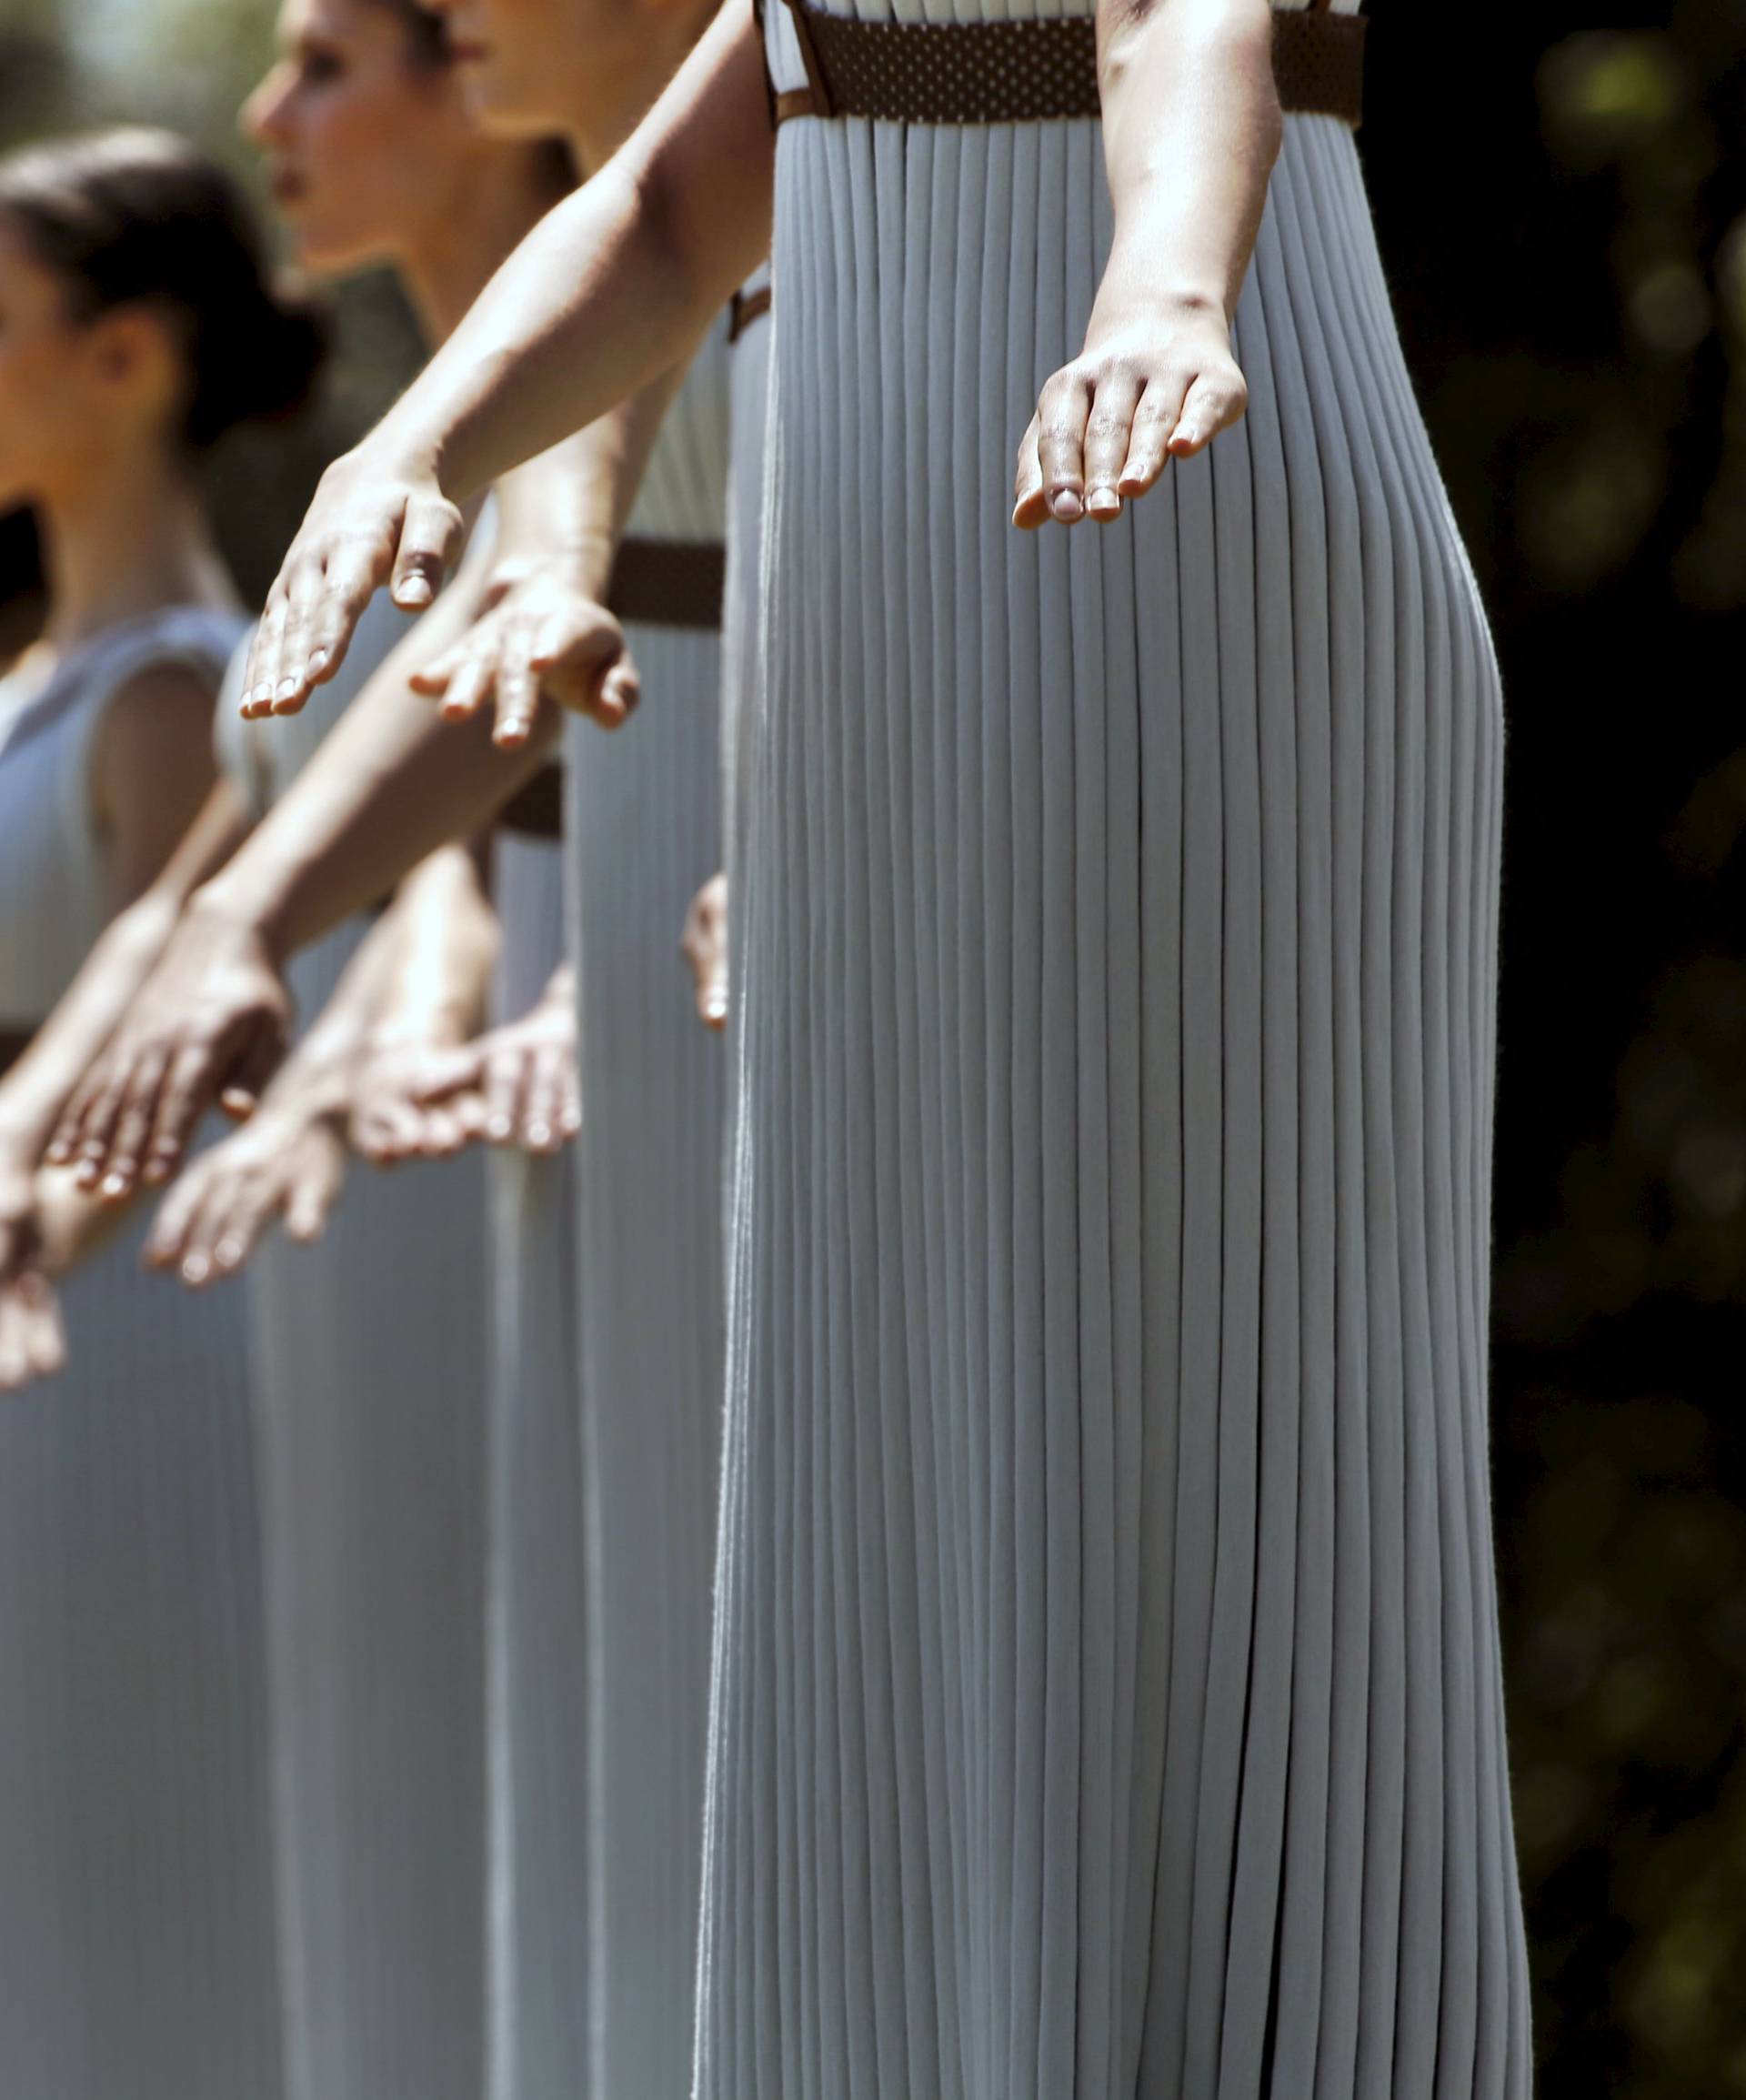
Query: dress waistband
[[13, 1042], [668, 582], [535, 809], [744, 308], [1026, 72]]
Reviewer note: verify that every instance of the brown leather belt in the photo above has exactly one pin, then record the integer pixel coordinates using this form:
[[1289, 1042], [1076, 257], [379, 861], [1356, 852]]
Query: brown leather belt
[[535, 809], [668, 582], [1026, 72], [744, 308]]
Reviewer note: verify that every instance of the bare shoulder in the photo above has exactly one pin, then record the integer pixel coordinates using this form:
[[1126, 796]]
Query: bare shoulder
[[157, 725]]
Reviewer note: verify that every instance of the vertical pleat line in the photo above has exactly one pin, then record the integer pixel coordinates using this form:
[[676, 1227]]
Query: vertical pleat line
[[1251, 2008]]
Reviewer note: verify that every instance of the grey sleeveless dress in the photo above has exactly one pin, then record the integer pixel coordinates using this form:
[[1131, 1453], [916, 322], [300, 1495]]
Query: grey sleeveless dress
[[536, 1631], [642, 833], [136, 1918], [1107, 1697], [372, 1357]]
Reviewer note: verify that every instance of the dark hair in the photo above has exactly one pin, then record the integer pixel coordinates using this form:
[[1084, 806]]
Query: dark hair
[[554, 165], [141, 216], [426, 30]]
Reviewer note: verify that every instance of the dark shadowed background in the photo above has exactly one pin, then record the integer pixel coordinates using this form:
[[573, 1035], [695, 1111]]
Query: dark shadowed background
[[1562, 213]]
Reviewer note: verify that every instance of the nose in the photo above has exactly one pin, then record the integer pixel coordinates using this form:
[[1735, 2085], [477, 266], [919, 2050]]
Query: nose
[[263, 116]]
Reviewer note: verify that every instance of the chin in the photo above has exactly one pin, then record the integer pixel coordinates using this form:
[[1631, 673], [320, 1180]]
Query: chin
[[495, 107]]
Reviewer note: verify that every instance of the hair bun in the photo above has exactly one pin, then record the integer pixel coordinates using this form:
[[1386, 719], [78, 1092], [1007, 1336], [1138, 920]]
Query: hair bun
[[256, 360], [141, 216]]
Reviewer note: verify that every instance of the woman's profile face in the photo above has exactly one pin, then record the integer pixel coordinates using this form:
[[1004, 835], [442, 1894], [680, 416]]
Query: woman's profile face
[[365, 141], [52, 410]]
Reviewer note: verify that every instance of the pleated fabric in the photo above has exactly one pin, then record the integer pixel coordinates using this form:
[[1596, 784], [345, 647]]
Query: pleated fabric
[[537, 1629], [372, 1350], [642, 834], [136, 1918], [1107, 1696]]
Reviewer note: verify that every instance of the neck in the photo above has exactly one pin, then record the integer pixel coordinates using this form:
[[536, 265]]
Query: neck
[[444, 279], [133, 539], [623, 86]]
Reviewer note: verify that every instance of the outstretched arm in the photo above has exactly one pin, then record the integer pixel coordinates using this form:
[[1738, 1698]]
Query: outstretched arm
[[611, 291], [1191, 128]]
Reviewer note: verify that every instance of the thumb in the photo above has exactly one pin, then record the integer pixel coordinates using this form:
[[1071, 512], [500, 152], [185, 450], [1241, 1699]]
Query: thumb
[[430, 535]]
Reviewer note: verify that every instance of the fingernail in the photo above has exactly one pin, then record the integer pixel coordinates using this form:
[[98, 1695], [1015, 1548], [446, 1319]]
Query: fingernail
[[157, 1170], [497, 1128], [1103, 502], [195, 1269], [318, 663], [540, 1135], [262, 697], [1067, 506], [412, 590], [228, 1253], [115, 1185], [509, 736], [718, 1009], [286, 688]]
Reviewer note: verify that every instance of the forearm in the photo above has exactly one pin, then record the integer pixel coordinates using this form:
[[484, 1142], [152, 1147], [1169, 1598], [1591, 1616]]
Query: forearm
[[391, 782], [1191, 128], [571, 503], [40, 1084], [616, 286], [446, 945], [318, 1070]]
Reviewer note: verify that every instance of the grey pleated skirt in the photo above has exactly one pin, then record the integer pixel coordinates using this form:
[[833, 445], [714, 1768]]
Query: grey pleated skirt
[[536, 1631], [1106, 1694], [371, 1376], [642, 827], [137, 1950]]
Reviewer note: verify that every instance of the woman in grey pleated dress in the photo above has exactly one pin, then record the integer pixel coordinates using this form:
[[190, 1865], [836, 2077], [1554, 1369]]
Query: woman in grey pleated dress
[[137, 1919], [1120, 1572], [376, 1342], [595, 1870], [1106, 1694]]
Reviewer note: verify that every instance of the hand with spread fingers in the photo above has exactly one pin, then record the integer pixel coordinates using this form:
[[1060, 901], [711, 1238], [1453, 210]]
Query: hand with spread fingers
[[289, 1162], [372, 522], [402, 1105], [705, 945], [517, 1085], [540, 632], [210, 1024]]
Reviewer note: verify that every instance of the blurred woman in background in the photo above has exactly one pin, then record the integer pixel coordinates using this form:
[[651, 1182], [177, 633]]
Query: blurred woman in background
[[136, 1921], [375, 1343]]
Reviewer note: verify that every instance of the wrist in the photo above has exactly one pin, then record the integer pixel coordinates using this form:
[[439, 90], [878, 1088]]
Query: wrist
[[235, 906]]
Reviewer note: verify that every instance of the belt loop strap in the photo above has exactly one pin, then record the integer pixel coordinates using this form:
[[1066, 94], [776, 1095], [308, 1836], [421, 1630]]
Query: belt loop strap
[[818, 101]]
